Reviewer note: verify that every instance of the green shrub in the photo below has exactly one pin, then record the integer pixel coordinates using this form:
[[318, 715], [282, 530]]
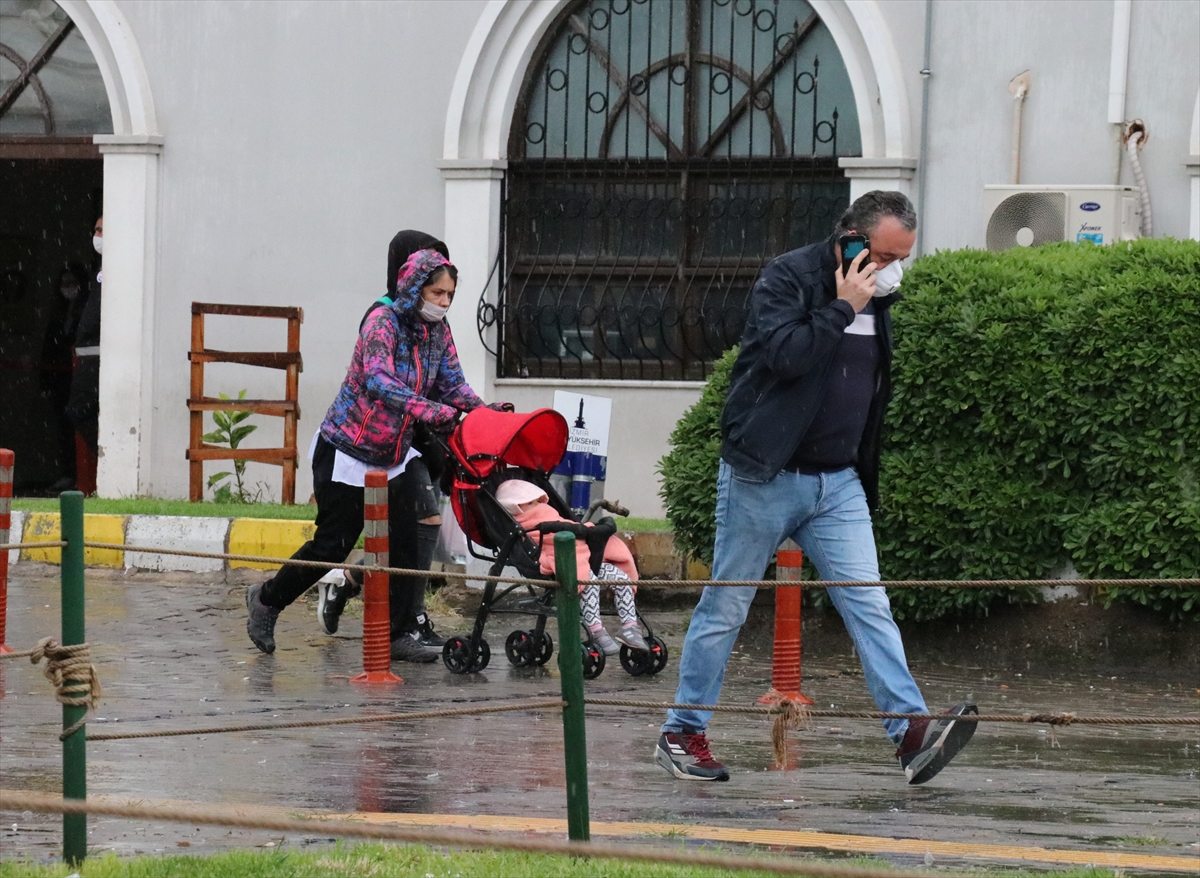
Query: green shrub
[[1046, 413]]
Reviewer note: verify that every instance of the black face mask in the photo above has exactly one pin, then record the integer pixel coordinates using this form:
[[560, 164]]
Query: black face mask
[[404, 245]]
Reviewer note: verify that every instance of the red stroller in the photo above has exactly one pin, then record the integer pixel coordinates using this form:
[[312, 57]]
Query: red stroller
[[487, 448]]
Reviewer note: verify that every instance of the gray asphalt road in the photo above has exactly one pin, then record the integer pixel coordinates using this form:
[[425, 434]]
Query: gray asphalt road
[[173, 653]]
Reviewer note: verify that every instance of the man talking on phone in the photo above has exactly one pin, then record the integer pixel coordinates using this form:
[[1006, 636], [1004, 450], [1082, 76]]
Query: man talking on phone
[[801, 435]]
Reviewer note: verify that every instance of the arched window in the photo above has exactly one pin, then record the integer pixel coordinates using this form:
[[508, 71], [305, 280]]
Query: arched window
[[661, 152]]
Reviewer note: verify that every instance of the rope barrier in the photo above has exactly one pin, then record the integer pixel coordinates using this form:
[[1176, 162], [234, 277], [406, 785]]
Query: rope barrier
[[228, 815], [651, 583], [340, 721], [1054, 719], [59, 544]]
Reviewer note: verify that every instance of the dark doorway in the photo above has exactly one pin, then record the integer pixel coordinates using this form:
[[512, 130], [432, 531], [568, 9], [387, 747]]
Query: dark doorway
[[45, 244]]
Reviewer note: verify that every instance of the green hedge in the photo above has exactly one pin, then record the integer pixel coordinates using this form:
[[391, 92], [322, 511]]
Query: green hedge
[[1046, 413]]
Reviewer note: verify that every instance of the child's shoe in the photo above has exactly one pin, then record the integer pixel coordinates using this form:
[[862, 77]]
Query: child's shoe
[[631, 636], [604, 641]]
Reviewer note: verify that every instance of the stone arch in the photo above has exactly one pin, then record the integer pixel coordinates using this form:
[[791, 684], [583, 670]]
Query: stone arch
[[489, 80], [131, 156]]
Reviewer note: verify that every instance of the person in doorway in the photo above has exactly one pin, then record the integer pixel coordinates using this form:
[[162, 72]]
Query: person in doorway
[[83, 406], [404, 370], [529, 506], [801, 433], [414, 507], [58, 363]]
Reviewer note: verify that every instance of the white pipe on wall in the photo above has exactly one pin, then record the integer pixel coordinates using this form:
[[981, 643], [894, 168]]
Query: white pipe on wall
[[1118, 75], [1019, 88]]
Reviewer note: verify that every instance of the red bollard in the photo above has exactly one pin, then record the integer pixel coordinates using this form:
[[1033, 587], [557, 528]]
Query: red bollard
[[7, 460], [785, 661], [377, 637]]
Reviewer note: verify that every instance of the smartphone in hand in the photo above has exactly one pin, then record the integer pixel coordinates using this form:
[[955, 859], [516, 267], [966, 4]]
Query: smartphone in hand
[[851, 246]]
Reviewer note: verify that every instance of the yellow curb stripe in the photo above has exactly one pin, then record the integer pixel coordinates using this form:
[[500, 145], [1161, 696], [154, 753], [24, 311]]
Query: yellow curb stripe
[[862, 844], [267, 537], [44, 527]]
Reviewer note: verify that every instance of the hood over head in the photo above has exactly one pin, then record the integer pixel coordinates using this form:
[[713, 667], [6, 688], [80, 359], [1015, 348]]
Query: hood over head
[[404, 245], [413, 277]]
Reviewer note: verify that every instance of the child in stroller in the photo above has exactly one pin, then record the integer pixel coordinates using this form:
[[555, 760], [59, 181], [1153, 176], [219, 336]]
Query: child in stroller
[[487, 449], [530, 506]]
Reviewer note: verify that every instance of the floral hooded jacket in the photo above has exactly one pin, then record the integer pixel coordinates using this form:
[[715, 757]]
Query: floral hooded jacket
[[403, 370]]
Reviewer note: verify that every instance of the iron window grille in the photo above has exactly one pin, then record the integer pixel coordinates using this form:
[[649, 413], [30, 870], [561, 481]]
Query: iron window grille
[[661, 153]]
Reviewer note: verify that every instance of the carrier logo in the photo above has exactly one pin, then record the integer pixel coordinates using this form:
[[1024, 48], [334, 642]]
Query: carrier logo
[[1089, 205]]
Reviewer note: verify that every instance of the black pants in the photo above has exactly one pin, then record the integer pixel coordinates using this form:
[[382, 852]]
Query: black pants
[[411, 497]]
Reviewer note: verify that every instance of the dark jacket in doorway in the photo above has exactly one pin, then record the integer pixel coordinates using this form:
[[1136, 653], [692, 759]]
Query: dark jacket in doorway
[[792, 331]]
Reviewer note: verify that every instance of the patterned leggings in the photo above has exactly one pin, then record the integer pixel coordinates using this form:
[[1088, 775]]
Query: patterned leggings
[[590, 598]]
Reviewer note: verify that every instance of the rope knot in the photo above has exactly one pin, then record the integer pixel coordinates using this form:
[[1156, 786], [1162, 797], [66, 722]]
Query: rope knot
[[74, 676]]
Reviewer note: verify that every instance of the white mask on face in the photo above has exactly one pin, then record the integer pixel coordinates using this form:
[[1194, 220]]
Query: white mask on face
[[430, 312], [98, 243], [887, 279]]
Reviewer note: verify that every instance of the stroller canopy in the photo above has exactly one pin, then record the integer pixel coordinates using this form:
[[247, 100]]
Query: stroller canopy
[[485, 438]]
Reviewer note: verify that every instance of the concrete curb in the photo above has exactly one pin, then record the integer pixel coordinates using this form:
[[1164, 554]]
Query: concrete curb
[[654, 552], [273, 538]]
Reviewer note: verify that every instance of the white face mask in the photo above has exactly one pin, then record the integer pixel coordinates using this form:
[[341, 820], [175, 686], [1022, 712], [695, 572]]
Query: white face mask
[[887, 279], [98, 243], [430, 312]]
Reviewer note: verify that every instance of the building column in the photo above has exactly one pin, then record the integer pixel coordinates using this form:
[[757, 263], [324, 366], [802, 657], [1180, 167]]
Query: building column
[[127, 312], [472, 233], [1193, 166], [866, 174]]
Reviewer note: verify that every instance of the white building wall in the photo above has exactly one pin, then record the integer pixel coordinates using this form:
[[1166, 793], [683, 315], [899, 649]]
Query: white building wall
[[299, 137], [979, 47]]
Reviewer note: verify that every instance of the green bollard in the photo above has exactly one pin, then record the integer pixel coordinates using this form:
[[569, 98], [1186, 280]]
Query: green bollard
[[570, 666], [74, 747]]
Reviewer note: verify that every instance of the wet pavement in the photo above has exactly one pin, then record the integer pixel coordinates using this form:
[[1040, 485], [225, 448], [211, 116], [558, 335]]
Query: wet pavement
[[173, 653]]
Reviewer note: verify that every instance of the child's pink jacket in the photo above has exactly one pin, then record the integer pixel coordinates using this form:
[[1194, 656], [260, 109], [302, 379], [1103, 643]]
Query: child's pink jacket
[[615, 552]]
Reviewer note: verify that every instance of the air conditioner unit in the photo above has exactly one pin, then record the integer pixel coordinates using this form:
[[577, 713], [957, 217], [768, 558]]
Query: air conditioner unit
[[1025, 216]]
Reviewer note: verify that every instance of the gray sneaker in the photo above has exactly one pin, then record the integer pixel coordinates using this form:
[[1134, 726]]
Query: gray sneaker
[[260, 624], [408, 648], [929, 745], [631, 636], [604, 642]]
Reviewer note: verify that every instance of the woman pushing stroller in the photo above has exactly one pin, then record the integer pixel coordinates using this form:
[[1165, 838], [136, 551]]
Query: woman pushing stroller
[[404, 372], [529, 505]]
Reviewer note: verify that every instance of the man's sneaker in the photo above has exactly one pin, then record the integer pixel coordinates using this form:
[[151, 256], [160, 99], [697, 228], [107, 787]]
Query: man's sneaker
[[631, 636], [604, 642], [686, 755], [428, 637], [929, 745], [331, 601], [260, 624], [408, 648]]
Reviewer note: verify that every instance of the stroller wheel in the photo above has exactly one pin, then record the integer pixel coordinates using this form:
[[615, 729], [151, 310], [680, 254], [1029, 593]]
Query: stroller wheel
[[593, 663], [519, 649], [482, 657], [658, 650], [544, 648], [636, 661], [456, 655]]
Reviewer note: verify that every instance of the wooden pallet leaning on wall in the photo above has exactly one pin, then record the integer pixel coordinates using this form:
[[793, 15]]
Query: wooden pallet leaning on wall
[[287, 408]]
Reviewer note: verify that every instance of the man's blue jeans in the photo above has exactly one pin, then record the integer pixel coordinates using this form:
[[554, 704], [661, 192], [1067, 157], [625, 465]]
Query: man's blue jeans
[[827, 516]]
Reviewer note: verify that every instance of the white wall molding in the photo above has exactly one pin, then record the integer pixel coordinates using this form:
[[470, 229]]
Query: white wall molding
[[866, 174], [130, 224]]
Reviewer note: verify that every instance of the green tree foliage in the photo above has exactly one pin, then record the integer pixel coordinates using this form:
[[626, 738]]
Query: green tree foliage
[[1046, 413]]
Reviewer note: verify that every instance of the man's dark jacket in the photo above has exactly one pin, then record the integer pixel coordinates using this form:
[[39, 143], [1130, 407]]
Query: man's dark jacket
[[793, 329]]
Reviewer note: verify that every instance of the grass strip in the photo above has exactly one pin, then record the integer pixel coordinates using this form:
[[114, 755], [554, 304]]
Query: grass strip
[[386, 860]]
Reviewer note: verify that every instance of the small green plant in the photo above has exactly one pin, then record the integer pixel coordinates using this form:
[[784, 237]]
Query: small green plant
[[231, 431]]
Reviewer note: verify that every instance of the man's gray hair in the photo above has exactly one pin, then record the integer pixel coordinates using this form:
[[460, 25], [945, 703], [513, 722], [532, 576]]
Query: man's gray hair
[[867, 210]]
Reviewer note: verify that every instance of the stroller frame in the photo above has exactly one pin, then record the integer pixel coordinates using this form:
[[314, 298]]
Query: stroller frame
[[494, 535]]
